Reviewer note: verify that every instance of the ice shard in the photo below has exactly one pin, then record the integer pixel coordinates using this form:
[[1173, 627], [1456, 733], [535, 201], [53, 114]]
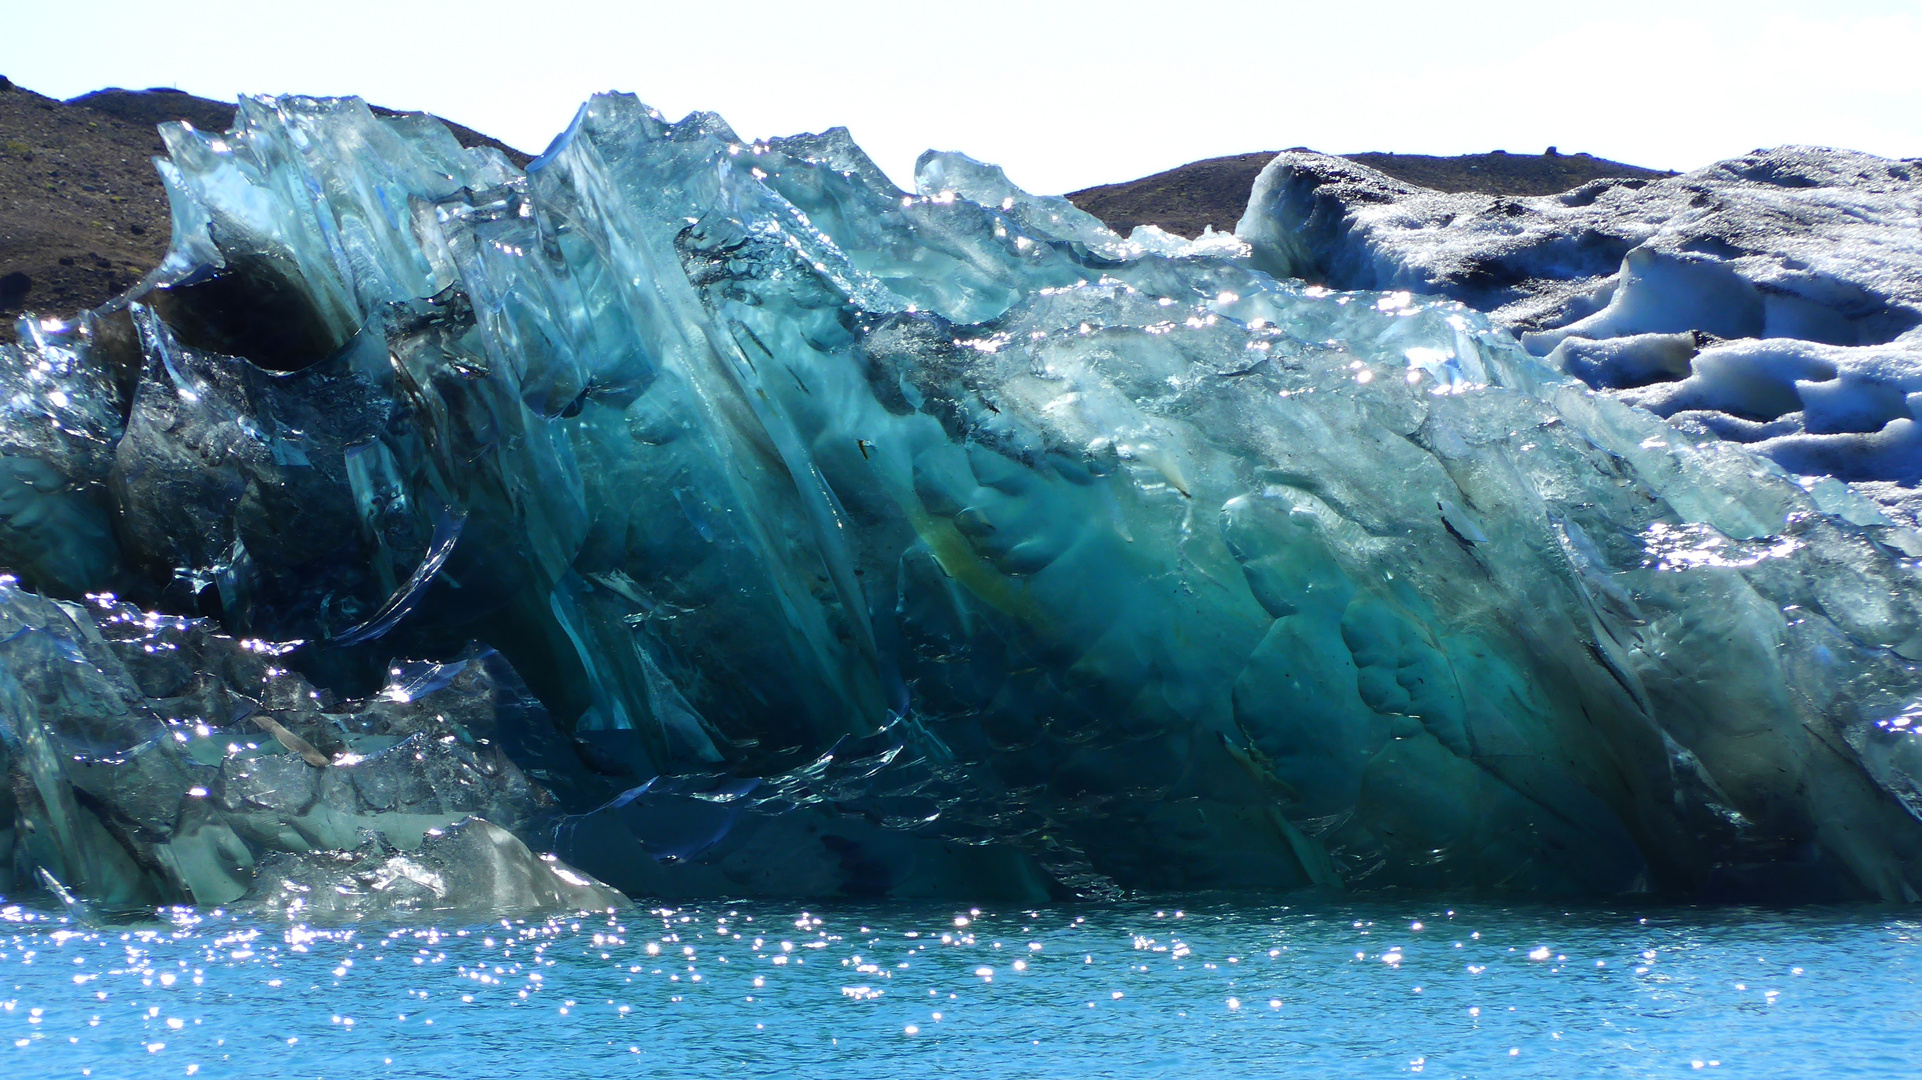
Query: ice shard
[[719, 518]]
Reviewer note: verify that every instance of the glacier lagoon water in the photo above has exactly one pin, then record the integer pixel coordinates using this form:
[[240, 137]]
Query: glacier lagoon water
[[1321, 988]]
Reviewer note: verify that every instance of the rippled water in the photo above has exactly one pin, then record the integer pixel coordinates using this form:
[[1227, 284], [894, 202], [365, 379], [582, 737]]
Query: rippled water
[[1321, 989]]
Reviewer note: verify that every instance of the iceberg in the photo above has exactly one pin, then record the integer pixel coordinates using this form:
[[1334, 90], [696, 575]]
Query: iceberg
[[721, 520]]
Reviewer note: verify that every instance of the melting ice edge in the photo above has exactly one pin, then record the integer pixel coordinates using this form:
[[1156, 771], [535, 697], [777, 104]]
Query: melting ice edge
[[724, 521]]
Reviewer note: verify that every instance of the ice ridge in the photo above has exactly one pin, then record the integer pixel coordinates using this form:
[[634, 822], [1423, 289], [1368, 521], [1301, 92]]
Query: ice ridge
[[718, 519]]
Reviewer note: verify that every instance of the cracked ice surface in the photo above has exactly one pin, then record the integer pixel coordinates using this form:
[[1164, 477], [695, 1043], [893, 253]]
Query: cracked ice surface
[[744, 525], [1773, 299]]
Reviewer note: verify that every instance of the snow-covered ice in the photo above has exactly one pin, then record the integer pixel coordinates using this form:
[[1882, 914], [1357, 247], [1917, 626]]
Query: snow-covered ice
[[1779, 295]]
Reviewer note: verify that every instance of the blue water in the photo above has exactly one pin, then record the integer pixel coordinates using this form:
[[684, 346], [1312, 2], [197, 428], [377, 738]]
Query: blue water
[[1317, 989]]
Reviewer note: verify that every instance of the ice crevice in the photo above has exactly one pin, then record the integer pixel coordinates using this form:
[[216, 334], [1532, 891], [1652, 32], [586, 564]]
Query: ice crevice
[[696, 516]]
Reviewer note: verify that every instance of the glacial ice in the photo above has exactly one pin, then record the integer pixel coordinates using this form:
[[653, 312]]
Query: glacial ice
[[1773, 299], [720, 520], [470, 871]]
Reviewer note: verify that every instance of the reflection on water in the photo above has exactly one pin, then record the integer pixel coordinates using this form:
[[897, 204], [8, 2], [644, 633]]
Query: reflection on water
[[1319, 988]]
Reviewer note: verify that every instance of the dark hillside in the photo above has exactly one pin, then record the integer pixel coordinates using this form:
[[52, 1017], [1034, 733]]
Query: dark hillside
[[1502, 173], [1181, 200], [1215, 191], [159, 105], [82, 212]]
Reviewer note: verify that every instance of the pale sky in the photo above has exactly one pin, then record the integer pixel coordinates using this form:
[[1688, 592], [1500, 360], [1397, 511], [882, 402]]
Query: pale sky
[[1064, 95]]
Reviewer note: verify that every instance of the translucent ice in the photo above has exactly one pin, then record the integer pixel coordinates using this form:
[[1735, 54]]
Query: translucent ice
[[471, 870], [754, 527]]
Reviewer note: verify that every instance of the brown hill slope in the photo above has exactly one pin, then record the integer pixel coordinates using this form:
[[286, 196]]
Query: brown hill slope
[[82, 212], [1215, 191]]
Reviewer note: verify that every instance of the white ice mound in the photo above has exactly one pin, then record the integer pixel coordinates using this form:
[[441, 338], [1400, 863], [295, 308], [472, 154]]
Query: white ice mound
[[1783, 289]]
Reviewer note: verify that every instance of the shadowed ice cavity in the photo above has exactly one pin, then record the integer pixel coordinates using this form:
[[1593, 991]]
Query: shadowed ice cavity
[[759, 528]]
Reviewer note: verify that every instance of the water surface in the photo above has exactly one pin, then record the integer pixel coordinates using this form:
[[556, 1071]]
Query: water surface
[[1326, 988]]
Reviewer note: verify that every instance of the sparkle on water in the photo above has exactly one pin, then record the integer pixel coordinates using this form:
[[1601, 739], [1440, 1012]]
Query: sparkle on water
[[1322, 988]]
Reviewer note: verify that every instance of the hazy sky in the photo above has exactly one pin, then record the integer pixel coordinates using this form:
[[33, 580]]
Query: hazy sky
[[1067, 94]]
